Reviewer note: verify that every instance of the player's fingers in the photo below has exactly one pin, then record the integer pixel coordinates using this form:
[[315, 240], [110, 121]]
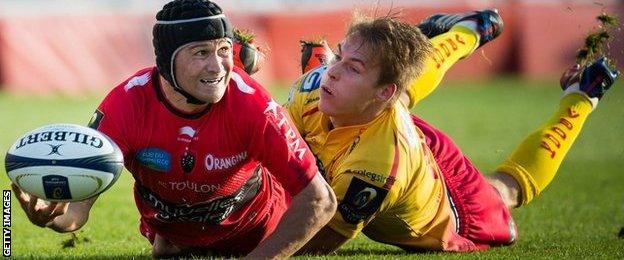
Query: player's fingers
[[60, 209], [40, 211], [45, 213], [15, 189], [22, 197], [32, 203], [28, 204], [34, 211], [46, 209]]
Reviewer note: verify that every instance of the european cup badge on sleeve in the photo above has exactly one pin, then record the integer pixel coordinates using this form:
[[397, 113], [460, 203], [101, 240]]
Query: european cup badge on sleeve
[[361, 201]]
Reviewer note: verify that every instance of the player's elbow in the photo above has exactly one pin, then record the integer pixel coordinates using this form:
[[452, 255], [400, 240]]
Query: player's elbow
[[328, 204], [324, 201]]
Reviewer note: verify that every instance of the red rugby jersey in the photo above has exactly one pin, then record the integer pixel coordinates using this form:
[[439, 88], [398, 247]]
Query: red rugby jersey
[[194, 173]]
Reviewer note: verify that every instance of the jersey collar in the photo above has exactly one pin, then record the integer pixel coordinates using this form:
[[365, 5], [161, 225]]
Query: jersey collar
[[161, 97]]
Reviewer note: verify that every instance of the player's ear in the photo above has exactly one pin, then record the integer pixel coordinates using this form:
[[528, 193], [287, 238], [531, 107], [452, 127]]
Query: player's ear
[[386, 92]]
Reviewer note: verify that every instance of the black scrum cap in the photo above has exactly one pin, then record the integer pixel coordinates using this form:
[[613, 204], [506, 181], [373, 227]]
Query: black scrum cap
[[181, 22]]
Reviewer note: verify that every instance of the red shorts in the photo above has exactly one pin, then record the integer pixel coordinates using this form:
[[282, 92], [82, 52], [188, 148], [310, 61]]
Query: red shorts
[[483, 217]]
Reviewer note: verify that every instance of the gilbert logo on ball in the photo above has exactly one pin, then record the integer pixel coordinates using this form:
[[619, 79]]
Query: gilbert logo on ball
[[64, 162]]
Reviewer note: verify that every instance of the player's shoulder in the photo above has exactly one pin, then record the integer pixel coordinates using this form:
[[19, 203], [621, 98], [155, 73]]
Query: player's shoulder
[[311, 81], [139, 80], [371, 156], [246, 93], [370, 161], [306, 87], [136, 89], [136, 85], [381, 153], [407, 135]]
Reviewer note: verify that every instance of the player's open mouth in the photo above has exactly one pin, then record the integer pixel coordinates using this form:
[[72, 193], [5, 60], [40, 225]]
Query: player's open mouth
[[326, 90], [211, 81]]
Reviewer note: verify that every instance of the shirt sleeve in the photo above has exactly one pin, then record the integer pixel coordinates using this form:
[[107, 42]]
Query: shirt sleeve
[[304, 96], [294, 105], [277, 144], [110, 119]]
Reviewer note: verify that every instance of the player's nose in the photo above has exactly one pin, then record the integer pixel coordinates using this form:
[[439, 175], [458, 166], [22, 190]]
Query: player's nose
[[333, 72], [214, 64]]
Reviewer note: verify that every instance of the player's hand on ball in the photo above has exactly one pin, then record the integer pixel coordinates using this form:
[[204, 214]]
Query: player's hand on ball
[[40, 212]]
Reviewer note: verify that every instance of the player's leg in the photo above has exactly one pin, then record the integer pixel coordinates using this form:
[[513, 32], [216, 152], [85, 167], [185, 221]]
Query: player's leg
[[481, 214], [534, 163], [453, 36], [161, 248]]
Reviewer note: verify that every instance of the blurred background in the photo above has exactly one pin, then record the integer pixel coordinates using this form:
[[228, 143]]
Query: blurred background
[[75, 46], [58, 58]]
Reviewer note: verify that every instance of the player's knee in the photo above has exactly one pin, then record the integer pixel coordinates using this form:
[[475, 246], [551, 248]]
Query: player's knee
[[163, 248]]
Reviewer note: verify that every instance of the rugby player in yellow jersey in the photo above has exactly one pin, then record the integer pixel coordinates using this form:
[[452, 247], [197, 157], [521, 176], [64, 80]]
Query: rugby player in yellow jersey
[[411, 186]]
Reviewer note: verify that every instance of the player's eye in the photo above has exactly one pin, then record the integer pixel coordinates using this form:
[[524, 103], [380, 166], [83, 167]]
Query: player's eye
[[201, 53], [225, 50], [353, 69], [336, 58]]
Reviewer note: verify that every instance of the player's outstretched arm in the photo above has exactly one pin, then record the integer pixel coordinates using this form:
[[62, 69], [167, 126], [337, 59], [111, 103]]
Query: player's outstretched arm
[[58, 216], [310, 210], [326, 241]]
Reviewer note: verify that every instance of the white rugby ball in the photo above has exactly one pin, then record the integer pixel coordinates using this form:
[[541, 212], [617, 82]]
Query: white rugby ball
[[64, 162]]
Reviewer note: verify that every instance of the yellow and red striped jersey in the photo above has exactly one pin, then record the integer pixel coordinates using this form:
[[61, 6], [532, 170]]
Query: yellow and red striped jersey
[[387, 183]]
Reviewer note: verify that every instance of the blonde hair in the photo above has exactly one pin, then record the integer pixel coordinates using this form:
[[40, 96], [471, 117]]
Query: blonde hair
[[400, 48]]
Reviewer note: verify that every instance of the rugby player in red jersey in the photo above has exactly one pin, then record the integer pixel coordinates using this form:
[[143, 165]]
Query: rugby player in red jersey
[[218, 165]]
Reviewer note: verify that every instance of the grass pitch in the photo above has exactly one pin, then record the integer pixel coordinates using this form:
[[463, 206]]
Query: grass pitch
[[579, 215]]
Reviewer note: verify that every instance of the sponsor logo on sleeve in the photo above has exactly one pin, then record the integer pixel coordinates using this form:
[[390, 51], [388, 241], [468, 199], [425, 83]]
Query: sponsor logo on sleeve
[[313, 80], [96, 119], [155, 159], [372, 176], [361, 201], [295, 143], [312, 99], [138, 81]]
